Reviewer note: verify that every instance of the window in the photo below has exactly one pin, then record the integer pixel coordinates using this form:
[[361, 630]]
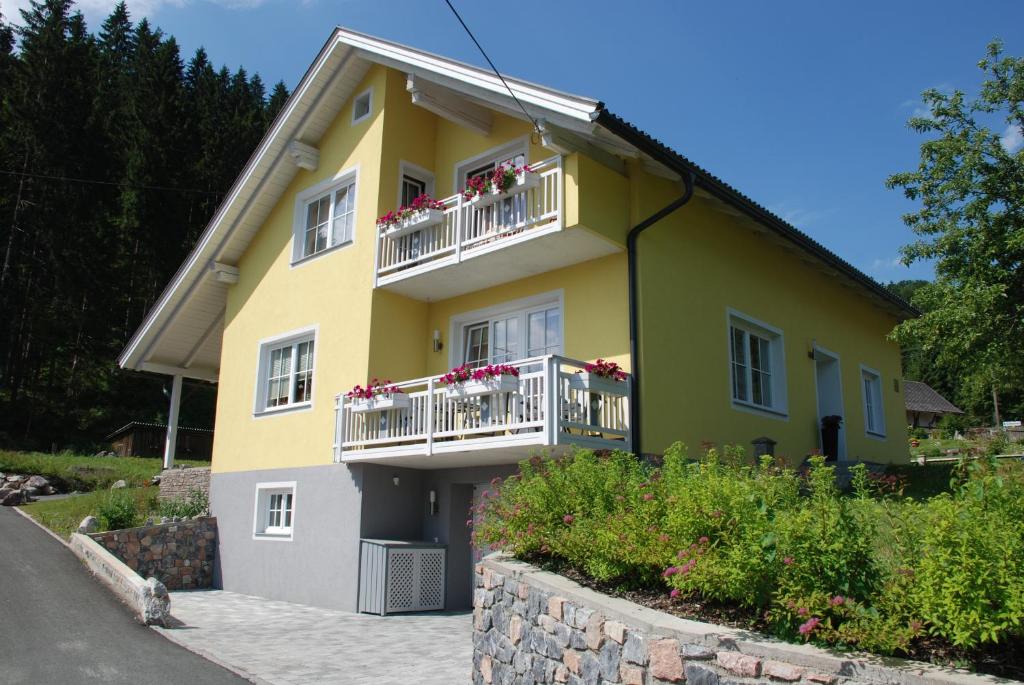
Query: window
[[275, 511], [874, 416], [511, 332], [362, 106], [412, 188], [757, 367], [285, 376], [325, 216]]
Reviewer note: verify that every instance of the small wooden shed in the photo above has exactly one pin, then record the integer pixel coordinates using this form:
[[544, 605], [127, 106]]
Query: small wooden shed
[[140, 439], [926, 407]]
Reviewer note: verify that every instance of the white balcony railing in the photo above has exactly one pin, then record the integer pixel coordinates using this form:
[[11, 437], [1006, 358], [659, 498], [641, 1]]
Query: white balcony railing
[[468, 227], [532, 416]]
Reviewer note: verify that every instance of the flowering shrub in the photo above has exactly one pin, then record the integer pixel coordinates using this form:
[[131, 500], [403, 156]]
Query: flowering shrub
[[374, 388], [870, 569], [606, 370], [461, 374], [397, 216], [498, 181]]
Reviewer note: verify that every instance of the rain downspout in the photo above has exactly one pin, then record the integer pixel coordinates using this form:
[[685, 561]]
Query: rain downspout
[[634, 316]]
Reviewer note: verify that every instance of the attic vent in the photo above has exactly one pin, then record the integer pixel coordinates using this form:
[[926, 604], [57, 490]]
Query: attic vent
[[362, 106]]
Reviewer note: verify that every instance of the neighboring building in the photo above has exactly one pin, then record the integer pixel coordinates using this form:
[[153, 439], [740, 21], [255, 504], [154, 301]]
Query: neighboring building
[[292, 296], [925, 407], [138, 439]]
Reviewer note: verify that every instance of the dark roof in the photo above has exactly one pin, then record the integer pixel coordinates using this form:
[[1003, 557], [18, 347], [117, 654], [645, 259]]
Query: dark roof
[[921, 397], [727, 193], [143, 424]]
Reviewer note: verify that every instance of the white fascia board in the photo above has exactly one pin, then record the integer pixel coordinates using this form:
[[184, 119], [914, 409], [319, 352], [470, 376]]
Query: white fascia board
[[574, 106], [212, 242]]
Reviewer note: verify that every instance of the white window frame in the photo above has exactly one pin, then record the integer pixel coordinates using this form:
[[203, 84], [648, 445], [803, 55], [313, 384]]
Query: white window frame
[[306, 197], [522, 307], [261, 511], [268, 345], [875, 410], [368, 94], [518, 146], [419, 173], [779, 407]]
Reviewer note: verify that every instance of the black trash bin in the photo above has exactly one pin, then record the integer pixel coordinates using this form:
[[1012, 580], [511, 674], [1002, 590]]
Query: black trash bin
[[830, 436]]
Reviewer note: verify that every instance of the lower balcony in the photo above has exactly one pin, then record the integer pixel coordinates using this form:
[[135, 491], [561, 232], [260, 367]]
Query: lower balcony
[[551, 407]]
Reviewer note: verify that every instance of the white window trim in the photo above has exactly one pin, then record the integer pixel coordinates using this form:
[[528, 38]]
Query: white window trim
[[780, 395], [516, 146], [369, 112], [409, 169], [344, 177], [263, 491], [263, 348], [553, 298], [867, 370]]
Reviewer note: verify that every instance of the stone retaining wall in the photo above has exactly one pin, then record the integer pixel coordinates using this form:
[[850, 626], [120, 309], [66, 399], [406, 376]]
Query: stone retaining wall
[[180, 555], [530, 626], [179, 483]]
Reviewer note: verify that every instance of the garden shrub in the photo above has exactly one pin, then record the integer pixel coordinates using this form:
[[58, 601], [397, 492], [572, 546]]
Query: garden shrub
[[119, 510], [870, 570], [196, 504]]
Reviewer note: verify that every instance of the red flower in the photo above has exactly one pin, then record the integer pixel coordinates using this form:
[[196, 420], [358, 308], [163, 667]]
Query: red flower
[[809, 626], [606, 370], [568, 519]]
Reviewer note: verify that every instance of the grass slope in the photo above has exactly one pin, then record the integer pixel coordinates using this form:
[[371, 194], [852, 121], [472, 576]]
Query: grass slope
[[70, 471], [62, 516]]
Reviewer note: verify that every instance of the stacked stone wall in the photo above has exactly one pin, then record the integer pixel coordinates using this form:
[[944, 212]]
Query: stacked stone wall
[[179, 483], [530, 626], [179, 554]]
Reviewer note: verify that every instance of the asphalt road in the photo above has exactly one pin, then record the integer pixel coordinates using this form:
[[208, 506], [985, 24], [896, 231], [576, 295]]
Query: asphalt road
[[59, 625]]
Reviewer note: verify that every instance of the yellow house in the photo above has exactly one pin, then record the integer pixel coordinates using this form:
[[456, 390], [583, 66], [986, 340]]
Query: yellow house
[[560, 236]]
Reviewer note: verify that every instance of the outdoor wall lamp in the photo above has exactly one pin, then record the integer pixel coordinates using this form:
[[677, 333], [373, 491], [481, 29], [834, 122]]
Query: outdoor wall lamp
[[438, 345], [394, 479], [433, 502]]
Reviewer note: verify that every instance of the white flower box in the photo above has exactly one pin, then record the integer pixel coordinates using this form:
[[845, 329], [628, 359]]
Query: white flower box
[[597, 384], [524, 182], [471, 388], [417, 221], [362, 405]]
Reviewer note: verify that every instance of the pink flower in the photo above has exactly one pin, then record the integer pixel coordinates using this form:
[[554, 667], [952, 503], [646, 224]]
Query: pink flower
[[648, 497], [788, 561], [469, 522], [801, 611], [838, 600], [568, 519], [809, 626], [674, 593], [670, 571], [663, 538], [703, 540]]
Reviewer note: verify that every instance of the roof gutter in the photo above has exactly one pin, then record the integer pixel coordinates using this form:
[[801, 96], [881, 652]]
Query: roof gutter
[[722, 191], [634, 315]]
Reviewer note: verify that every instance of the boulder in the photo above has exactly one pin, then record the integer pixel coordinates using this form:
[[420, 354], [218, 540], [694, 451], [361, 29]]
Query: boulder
[[156, 602], [15, 478], [118, 485], [37, 482], [88, 525], [155, 480], [30, 491], [11, 498]]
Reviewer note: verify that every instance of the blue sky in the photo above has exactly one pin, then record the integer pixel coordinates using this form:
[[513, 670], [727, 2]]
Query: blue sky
[[800, 104]]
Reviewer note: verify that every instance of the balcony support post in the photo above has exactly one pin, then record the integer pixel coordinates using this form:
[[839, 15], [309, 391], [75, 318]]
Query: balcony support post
[[430, 417], [551, 387], [459, 220]]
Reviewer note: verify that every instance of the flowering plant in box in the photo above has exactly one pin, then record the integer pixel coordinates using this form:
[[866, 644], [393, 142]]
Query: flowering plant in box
[[461, 374], [374, 388], [605, 369], [498, 181], [395, 217]]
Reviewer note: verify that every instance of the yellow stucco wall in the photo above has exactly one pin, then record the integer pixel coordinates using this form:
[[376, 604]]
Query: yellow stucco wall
[[694, 265]]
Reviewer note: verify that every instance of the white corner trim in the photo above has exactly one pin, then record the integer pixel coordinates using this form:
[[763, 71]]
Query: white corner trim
[[274, 485]]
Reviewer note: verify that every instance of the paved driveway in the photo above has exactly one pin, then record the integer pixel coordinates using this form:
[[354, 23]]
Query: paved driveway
[[59, 625], [278, 642]]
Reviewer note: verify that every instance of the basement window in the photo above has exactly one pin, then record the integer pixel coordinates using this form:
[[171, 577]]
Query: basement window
[[275, 511], [362, 106]]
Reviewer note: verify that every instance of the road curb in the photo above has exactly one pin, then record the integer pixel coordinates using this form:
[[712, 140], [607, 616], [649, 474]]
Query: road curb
[[168, 634]]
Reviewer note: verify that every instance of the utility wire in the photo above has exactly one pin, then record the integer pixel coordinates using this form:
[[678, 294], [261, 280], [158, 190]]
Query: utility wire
[[68, 179], [493, 68]]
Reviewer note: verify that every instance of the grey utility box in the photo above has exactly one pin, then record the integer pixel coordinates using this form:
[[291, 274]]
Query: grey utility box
[[401, 575]]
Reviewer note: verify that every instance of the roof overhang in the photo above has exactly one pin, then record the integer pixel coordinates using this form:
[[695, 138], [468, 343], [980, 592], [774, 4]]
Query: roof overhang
[[181, 334]]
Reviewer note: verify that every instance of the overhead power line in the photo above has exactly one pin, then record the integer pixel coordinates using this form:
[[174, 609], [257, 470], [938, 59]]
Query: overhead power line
[[121, 184], [493, 68]]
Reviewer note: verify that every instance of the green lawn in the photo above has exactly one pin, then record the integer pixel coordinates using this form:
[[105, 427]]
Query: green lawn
[[62, 516], [79, 472]]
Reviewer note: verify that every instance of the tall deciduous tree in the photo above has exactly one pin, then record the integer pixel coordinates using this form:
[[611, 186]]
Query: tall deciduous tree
[[970, 186]]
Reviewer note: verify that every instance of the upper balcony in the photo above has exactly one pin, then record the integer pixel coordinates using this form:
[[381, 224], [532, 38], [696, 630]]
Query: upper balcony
[[549, 407], [487, 241]]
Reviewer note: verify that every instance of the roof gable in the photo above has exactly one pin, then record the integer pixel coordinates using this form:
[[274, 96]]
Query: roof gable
[[922, 397]]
